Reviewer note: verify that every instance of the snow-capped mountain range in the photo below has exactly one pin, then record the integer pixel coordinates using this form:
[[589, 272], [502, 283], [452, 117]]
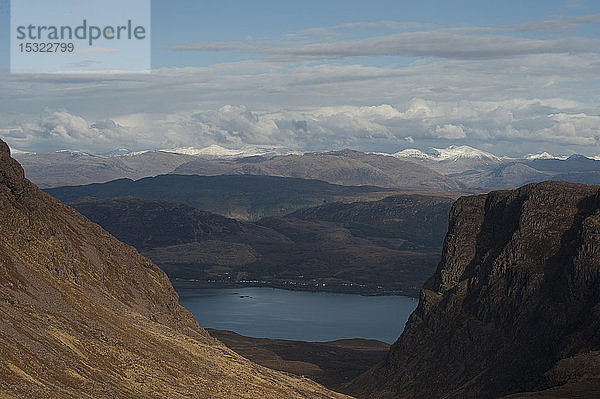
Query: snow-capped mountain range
[[465, 166], [455, 152], [452, 152]]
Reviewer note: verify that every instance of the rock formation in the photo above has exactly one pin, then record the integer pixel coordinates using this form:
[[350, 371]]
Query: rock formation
[[513, 307]]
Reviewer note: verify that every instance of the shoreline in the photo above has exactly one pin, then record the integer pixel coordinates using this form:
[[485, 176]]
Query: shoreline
[[314, 287]]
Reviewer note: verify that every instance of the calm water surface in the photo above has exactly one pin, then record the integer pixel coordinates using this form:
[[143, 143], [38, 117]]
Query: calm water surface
[[297, 315]]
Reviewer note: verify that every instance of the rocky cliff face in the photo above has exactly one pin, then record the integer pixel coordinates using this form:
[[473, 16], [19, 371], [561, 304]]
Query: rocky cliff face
[[83, 315], [513, 307]]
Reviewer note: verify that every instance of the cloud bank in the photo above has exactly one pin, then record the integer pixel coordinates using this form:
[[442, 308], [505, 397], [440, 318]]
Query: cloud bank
[[532, 124]]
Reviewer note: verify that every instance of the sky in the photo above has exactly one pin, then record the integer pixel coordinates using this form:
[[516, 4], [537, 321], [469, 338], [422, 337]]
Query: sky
[[511, 77]]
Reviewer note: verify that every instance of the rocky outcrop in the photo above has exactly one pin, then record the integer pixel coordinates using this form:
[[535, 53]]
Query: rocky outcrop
[[83, 315], [513, 307]]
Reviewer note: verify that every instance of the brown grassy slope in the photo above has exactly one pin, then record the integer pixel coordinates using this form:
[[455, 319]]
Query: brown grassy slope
[[83, 315], [332, 364]]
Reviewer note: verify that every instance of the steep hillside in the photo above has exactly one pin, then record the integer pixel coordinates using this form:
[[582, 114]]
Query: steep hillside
[[86, 316], [332, 364], [513, 307]]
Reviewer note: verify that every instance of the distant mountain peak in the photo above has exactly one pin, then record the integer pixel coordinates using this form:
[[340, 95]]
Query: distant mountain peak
[[544, 155], [118, 152], [342, 153], [412, 153], [76, 153], [217, 151], [463, 152], [452, 152]]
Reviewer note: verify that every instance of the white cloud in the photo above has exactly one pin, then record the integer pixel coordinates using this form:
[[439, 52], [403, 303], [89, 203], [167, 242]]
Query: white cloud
[[364, 127], [62, 125], [61, 129], [450, 131]]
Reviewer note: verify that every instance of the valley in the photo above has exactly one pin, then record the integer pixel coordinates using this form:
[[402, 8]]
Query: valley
[[339, 199], [515, 293], [380, 247], [85, 315]]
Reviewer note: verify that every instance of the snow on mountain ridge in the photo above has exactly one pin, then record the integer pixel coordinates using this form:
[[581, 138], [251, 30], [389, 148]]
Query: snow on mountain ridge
[[463, 152], [77, 153], [212, 150], [217, 151], [450, 153], [544, 155], [412, 153]]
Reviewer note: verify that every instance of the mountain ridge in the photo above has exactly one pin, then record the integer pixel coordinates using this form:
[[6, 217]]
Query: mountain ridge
[[345, 167], [455, 168]]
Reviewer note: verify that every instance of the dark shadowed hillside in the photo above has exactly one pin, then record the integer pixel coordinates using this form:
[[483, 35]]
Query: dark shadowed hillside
[[241, 197], [513, 307], [363, 247], [148, 224], [415, 218]]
